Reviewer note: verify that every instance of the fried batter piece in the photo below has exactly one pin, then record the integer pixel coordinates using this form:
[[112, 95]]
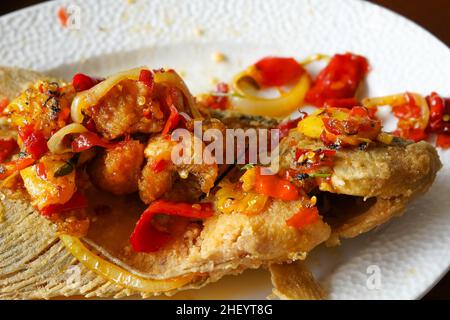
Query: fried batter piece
[[117, 169]]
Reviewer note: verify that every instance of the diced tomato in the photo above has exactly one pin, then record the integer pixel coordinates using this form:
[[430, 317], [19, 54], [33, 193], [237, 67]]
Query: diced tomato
[[275, 187], [77, 202], [87, 140], [7, 148], [277, 71], [303, 218], [83, 82], [147, 238], [339, 80], [146, 77], [218, 101], [172, 121], [34, 141]]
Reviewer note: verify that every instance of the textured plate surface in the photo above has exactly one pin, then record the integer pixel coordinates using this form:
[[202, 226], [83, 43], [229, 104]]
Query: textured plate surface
[[411, 253]]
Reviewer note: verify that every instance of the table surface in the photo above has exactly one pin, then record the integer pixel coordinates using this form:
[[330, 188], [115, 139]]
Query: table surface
[[433, 15]]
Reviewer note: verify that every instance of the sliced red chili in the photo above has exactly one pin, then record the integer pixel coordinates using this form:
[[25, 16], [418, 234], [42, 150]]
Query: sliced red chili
[[339, 80], [9, 168], [286, 126], [304, 217], [172, 121], [41, 171], [146, 77], [7, 148], [277, 71], [275, 187], [34, 141], [443, 140], [160, 165], [77, 202], [147, 238], [87, 140], [83, 82]]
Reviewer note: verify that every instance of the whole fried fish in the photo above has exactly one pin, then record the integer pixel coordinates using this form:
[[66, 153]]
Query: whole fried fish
[[369, 187]]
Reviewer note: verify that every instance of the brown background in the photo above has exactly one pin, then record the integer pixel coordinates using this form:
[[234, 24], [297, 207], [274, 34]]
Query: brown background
[[433, 15]]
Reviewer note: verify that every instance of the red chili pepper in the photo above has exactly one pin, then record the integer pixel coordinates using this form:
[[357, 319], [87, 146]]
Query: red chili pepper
[[341, 103], [87, 140], [286, 126], [3, 104], [277, 71], [41, 171], [275, 187], [34, 141], [146, 77], [339, 80], [90, 125], [63, 16], [7, 169], [439, 113], [303, 218], [77, 202], [160, 165], [218, 102], [443, 140], [172, 121], [7, 148], [83, 82], [146, 238]]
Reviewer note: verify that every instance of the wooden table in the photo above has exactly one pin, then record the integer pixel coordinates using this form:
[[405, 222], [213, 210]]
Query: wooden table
[[433, 15]]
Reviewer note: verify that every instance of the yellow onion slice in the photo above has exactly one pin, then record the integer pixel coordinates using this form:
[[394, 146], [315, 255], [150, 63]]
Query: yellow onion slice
[[56, 143], [117, 274], [91, 97], [284, 105], [399, 99]]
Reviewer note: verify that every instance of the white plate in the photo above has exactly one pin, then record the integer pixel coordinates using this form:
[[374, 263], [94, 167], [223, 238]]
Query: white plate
[[413, 252]]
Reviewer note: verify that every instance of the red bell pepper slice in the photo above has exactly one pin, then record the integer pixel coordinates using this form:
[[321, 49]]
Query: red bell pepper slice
[[172, 121], [83, 82], [146, 238], [275, 187], [339, 80], [77, 202], [303, 218], [277, 71], [7, 169], [34, 141], [87, 140], [7, 148]]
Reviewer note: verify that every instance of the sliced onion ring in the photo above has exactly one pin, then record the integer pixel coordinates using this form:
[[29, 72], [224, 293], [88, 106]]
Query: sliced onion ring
[[119, 275], [56, 143], [91, 97], [276, 107]]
